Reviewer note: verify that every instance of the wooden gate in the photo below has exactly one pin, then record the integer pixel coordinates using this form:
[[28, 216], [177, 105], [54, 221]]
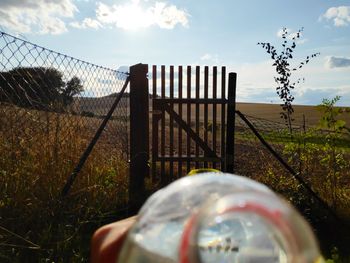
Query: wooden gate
[[193, 115]]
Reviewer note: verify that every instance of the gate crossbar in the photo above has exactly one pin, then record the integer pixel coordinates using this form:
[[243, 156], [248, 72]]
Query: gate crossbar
[[166, 107]]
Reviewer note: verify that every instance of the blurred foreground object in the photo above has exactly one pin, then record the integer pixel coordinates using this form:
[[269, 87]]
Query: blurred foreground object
[[211, 217]]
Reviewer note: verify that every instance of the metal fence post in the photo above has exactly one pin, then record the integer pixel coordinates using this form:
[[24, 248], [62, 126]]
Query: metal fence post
[[230, 123], [139, 135]]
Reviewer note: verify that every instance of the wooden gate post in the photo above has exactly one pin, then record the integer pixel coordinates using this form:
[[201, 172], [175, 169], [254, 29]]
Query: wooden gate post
[[139, 136], [230, 123]]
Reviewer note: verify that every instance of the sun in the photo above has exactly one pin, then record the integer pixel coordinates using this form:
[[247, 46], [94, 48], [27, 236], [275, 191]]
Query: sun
[[132, 16]]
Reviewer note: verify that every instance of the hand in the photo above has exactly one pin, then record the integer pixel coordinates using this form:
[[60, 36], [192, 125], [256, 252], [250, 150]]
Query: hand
[[107, 241]]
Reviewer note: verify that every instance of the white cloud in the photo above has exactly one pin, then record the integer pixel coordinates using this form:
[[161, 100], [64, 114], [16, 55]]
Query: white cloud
[[210, 58], [206, 57], [302, 41], [134, 16], [340, 15], [169, 16], [255, 83], [337, 62], [292, 34], [87, 23], [41, 16], [280, 32]]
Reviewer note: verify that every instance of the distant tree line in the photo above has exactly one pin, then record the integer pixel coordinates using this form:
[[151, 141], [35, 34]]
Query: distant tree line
[[127, 95], [38, 88]]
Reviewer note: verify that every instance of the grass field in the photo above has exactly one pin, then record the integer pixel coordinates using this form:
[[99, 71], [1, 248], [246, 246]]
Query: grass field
[[38, 150], [272, 112], [37, 153], [260, 110]]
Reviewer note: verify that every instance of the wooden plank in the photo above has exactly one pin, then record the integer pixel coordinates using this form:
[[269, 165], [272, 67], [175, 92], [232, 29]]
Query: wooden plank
[[171, 124], [188, 115], [139, 135], [230, 123], [162, 129], [191, 158], [206, 87], [190, 133], [194, 100], [223, 112], [215, 75], [179, 128], [154, 124], [197, 110]]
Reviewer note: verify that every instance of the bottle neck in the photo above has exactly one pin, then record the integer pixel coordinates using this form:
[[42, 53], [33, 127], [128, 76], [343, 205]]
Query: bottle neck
[[244, 232]]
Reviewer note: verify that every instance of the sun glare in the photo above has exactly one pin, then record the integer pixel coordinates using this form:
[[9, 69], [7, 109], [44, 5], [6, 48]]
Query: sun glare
[[133, 17]]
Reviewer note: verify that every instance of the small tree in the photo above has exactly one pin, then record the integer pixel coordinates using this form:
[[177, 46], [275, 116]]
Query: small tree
[[73, 87], [330, 118], [38, 88], [323, 154], [333, 160], [284, 71]]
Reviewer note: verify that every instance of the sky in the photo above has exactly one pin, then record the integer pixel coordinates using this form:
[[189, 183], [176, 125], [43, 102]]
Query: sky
[[121, 33]]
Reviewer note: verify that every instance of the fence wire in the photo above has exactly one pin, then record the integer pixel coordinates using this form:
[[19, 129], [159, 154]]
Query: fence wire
[[319, 161], [52, 104], [252, 159], [278, 136]]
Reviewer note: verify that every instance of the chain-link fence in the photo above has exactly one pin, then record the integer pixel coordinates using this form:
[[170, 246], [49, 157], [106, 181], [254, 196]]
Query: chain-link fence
[[248, 145], [308, 165], [278, 136], [51, 105]]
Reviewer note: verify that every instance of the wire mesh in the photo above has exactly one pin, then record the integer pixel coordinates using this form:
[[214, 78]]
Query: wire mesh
[[278, 136], [275, 133], [51, 105], [317, 158], [252, 159]]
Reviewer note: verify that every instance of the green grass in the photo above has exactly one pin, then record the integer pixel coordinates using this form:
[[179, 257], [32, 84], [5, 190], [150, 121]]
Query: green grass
[[283, 137]]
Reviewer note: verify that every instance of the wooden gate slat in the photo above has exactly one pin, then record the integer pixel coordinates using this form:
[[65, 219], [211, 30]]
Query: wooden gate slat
[[179, 128], [223, 115], [188, 158], [230, 129], [202, 146], [188, 115], [206, 87], [154, 124], [171, 124], [162, 137], [215, 74], [197, 110], [190, 133], [194, 101]]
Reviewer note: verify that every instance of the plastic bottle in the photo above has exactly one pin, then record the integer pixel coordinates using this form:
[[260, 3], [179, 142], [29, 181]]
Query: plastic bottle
[[219, 218]]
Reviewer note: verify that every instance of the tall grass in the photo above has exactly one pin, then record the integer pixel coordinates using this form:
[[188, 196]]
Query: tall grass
[[38, 150], [324, 167]]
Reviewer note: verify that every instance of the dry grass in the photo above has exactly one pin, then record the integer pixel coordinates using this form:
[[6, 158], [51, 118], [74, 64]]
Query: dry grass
[[269, 112], [38, 151], [272, 112]]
